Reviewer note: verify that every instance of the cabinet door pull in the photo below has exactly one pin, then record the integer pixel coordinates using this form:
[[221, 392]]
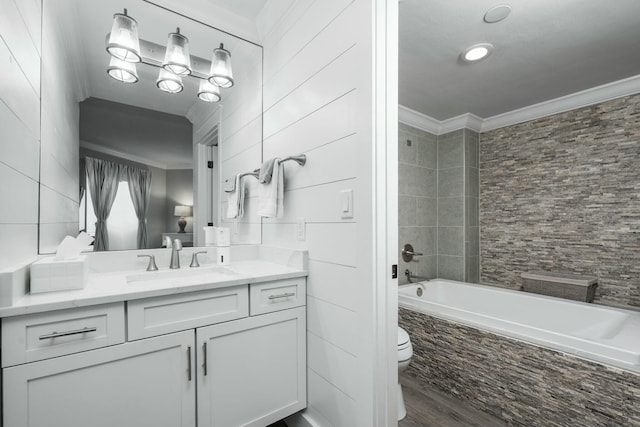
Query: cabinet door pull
[[285, 295], [204, 359], [67, 333], [189, 364]]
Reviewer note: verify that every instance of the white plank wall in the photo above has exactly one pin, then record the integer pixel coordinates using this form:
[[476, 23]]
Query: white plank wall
[[240, 148], [20, 123], [317, 91], [60, 137]]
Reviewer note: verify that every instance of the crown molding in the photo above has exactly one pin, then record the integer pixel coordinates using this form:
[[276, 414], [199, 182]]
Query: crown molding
[[468, 121], [595, 95], [418, 120], [115, 153]]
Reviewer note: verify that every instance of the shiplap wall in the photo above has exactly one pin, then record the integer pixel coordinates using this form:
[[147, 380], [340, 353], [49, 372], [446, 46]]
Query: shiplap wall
[[240, 142], [59, 158], [20, 50], [317, 101]]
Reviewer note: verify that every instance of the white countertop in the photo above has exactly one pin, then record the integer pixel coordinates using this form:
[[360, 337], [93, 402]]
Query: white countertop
[[115, 286]]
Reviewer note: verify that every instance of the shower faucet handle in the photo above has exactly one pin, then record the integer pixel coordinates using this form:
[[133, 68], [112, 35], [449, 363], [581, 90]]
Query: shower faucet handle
[[408, 253]]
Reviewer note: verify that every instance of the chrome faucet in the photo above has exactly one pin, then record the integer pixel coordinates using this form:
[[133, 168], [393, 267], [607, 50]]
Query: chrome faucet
[[176, 246], [410, 276]]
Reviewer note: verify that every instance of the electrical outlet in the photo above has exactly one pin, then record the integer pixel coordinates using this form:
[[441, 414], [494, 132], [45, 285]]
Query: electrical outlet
[[301, 232]]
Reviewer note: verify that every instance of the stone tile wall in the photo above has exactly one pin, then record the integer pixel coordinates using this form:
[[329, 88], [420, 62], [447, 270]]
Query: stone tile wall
[[522, 384], [438, 203], [562, 194]]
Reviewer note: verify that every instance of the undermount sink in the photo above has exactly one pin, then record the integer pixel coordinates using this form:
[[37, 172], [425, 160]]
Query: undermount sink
[[210, 273]]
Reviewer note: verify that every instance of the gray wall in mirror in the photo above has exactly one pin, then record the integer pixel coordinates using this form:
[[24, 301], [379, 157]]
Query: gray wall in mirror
[[74, 68]]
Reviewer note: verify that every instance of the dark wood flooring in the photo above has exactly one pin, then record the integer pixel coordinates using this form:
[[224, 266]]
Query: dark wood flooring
[[427, 407]]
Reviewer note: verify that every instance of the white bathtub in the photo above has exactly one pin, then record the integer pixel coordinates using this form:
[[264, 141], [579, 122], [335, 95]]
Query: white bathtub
[[603, 334]]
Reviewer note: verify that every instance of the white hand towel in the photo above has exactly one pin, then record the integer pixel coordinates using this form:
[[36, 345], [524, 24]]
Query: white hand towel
[[266, 171], [235, 199], [271, 195]]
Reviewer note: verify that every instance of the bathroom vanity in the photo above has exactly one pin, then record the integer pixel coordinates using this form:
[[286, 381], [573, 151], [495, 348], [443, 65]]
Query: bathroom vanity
[[216, 346]]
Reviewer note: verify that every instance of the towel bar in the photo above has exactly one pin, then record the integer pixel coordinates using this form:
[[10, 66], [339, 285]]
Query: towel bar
[[254, 174], [300, 159]]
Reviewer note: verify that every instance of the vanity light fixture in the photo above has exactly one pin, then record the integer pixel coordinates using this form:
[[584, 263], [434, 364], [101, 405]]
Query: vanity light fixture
[[174, 60], [208, 92], [221, 73], [123, 41], [169, 82], [122, 71], [176, 57], [477, 52]]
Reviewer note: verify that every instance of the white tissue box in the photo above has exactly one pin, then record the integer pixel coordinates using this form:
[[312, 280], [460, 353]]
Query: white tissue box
[[49, 275]]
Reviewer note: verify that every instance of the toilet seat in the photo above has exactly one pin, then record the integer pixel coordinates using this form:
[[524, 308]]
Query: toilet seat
[[403, 336], [405, 349]]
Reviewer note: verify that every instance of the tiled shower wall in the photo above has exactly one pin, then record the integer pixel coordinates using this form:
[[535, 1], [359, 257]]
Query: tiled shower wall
[[417, 200], [562, 193], [458, 205], [438, 203]]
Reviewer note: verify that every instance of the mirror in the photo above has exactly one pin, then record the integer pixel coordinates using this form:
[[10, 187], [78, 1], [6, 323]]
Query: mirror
[[85, 112]]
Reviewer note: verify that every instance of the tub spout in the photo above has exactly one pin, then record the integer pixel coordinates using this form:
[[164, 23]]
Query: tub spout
[[410, 277]]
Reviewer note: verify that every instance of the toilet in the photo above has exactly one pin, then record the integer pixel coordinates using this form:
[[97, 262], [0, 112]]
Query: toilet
[[405, 351]]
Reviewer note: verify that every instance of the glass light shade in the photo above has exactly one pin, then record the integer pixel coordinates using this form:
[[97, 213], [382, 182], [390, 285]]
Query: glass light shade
[[122, 71], [208, 92], [221, 73], [176, 57], [182, 211], [169, 82], [123, 41]]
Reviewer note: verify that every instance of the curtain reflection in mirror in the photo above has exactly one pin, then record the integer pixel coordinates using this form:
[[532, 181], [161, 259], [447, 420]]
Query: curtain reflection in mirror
[[103, 178]]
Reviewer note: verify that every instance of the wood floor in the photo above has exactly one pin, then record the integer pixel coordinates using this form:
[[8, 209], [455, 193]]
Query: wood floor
[[430, 408], [427, 407]]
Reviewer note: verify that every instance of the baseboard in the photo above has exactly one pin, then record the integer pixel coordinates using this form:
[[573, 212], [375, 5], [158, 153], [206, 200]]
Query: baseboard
[[306, 418]]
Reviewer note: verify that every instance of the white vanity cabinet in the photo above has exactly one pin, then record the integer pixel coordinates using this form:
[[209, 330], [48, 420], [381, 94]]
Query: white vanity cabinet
[[253, 370], [244, 369], [141, 383]]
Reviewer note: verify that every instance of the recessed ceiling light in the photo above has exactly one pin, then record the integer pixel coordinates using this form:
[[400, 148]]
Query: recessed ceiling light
[[477, 52], [497, 13]]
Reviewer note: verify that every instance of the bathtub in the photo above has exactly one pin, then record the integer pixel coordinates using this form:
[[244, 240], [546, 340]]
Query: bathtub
[[606, 335]]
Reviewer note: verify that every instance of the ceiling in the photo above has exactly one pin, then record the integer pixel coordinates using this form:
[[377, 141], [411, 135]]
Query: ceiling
[[245, 8], [543, 50]]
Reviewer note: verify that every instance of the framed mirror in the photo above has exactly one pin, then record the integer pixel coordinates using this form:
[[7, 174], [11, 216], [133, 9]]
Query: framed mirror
[[175, 136]]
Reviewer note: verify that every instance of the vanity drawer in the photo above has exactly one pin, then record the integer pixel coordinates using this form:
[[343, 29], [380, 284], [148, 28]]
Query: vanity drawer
[[279, 295], [162, 315], [56, 333]]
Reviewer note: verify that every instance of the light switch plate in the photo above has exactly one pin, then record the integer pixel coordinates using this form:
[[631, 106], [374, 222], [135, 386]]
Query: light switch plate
[[346, 203]]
